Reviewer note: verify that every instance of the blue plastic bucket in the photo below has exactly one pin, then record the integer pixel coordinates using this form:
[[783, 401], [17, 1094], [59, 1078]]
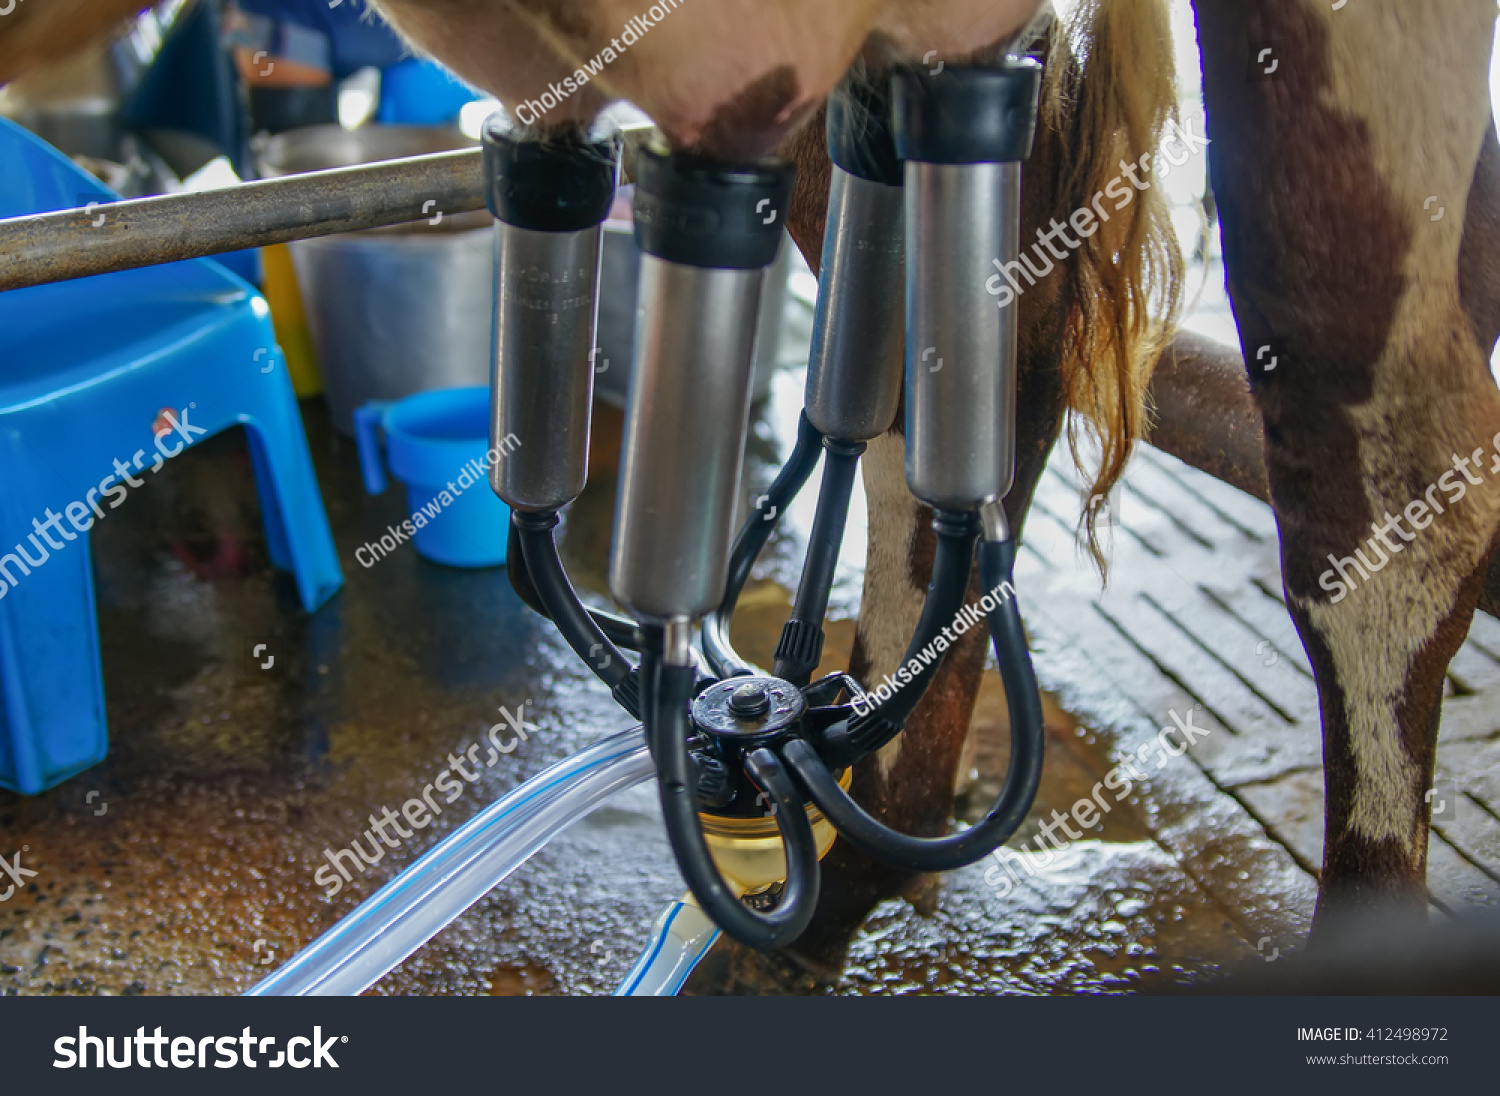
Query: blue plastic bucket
[[437, 444]]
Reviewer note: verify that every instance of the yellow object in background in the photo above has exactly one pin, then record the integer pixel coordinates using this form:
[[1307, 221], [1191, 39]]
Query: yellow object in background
[[289, 320]]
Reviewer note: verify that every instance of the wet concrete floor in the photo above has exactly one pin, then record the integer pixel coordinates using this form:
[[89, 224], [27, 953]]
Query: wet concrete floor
[[185, 862]]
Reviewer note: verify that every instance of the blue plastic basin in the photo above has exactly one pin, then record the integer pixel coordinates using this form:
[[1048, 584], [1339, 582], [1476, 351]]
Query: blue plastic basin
[[437, 444]]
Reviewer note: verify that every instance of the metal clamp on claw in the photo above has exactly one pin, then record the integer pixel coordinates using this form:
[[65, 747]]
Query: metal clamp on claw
[[752, 766]]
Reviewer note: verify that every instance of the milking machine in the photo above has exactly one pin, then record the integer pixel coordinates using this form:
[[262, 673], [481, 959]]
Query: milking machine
[[925, 194], [752, 766]]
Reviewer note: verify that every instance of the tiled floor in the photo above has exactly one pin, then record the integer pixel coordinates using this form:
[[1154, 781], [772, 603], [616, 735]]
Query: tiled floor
[[1193, 617]]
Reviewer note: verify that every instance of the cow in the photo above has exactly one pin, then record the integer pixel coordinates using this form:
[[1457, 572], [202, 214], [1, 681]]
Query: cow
[[1332, 126]]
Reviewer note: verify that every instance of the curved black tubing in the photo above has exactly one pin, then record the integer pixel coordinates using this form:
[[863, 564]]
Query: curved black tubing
[[747, 547], [617, 629], [1027, 742], [545, 571], [670, 690], [844, 744]]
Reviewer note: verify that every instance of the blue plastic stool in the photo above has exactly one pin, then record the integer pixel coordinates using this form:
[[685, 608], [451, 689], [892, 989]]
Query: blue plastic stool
[[438, 443], [131, 368]]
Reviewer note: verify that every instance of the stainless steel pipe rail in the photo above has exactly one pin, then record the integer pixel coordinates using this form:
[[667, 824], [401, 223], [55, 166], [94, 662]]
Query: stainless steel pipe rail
[[75, 243]]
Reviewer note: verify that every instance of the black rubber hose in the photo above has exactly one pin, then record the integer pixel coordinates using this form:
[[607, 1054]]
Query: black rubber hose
[[952, 562], [801, 645], [747, 547], [670, 689], [557, 595], [1027, 744], [617, 629]]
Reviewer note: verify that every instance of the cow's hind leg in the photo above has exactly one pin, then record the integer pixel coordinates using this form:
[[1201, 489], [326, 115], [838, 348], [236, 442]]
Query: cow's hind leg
[[1342, 172]]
